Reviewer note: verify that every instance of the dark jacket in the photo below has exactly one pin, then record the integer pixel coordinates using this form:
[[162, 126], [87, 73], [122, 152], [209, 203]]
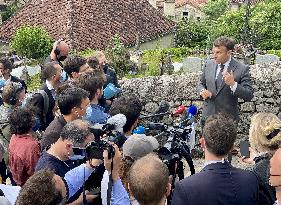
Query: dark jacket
[[223, 100], [217, 184], [38, 102], [111, 76], [17, 80], [54, 127], [261, 170]]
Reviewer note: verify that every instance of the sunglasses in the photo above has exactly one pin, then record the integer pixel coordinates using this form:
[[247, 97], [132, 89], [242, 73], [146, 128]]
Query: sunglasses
[[273, 134]]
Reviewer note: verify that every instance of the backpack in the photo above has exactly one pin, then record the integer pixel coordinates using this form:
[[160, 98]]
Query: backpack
[[43, 93]]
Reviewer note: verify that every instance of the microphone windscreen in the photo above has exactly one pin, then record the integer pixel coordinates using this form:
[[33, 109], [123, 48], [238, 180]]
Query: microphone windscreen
[[192, 110]]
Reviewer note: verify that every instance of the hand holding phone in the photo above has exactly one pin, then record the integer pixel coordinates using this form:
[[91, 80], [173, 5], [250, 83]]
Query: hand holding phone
[[244, 149]]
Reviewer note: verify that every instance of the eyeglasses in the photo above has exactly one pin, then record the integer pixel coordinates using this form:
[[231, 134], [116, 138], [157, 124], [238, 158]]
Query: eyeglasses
[[273, 134]]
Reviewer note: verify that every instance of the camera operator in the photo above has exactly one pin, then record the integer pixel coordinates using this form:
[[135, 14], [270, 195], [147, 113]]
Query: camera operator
[[74, 134], [72, 103], [148, 180], [47, 188], [134, 148], [131, 107]]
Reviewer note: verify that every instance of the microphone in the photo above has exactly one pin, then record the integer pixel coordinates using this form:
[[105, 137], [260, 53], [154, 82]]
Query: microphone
[[139, 130], [192, 111], [157, 126], [164, 107], [118, 121], [179, 110]]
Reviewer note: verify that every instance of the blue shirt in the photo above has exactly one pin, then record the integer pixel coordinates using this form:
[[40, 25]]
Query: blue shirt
[[76, 177], [95, 114]]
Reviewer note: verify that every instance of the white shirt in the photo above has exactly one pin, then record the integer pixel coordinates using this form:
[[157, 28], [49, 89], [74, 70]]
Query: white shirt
[[226, 65], [51, 88]]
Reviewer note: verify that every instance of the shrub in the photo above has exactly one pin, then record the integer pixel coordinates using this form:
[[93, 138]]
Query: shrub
[[32, 42]]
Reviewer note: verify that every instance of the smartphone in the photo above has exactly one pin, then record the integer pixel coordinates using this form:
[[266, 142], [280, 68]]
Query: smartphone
[[244, 149], [94, 191]]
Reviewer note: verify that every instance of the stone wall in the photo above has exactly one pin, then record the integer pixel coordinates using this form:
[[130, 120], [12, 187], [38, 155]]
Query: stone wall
[[181, 89]]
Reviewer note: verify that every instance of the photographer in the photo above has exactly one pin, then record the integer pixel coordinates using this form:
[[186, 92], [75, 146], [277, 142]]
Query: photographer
[[131, 107], [134, 148], [47, 188], [148, 181], [74, 134], [72, 103]]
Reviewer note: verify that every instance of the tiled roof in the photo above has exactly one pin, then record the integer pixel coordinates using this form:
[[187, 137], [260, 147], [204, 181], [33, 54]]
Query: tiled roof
[[91, 23], [194, 3]]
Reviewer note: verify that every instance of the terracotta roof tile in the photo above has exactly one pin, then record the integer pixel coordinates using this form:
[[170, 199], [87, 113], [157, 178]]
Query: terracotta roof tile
[[91, 23]]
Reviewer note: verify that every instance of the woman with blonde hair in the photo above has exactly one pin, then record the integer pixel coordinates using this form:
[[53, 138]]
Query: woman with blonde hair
[[265, 139]]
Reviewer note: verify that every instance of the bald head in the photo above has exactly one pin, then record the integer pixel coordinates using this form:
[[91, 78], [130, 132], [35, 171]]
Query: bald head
[[60, 50], [64, 48], [149, 180]]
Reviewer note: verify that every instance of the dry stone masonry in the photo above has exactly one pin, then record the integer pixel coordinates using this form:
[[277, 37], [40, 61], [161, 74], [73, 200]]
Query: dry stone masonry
[[181, 89]]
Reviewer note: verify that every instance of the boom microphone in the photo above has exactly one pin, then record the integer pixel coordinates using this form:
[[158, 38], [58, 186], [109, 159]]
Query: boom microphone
[[118, 121]]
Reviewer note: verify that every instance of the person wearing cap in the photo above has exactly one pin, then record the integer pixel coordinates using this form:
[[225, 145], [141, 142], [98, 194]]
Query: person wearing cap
[[265, 138], [135, 147]]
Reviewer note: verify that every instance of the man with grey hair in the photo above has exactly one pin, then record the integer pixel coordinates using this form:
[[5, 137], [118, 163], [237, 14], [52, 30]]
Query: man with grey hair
[[74, 134]]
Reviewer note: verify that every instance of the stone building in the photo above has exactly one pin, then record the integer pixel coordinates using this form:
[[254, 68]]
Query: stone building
[[92, 23], [179, 9]]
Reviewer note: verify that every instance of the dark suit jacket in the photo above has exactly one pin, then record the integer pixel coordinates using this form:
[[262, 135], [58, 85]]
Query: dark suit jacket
[[217, 184], [223, 100], [38, 103]]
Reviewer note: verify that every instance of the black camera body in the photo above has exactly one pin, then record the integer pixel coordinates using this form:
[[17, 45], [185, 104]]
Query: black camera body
[[104, 136], [95, 149]]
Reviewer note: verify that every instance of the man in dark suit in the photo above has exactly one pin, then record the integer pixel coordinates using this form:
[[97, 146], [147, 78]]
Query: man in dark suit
[[218, 183], [223, 81], [52, 73]]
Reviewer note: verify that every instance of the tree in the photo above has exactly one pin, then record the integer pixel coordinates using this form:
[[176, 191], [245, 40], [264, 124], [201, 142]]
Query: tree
[[32, 42], [215, 8], [192, 34], [265, 24], [230, 24], [118, 56]]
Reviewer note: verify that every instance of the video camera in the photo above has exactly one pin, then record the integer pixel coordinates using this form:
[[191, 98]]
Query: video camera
[[105, 135]]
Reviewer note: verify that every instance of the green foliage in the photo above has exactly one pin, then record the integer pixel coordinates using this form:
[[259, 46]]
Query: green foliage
[[265, 23], [230, 24], [152, 59], [32, 42], [9, 11], [275, 52], [118, 56], [215, 8], [265, 27], [87, 53], [192, 34], [34, 83]]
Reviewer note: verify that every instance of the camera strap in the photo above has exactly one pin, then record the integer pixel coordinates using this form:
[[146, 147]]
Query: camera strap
[[110, 184]]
